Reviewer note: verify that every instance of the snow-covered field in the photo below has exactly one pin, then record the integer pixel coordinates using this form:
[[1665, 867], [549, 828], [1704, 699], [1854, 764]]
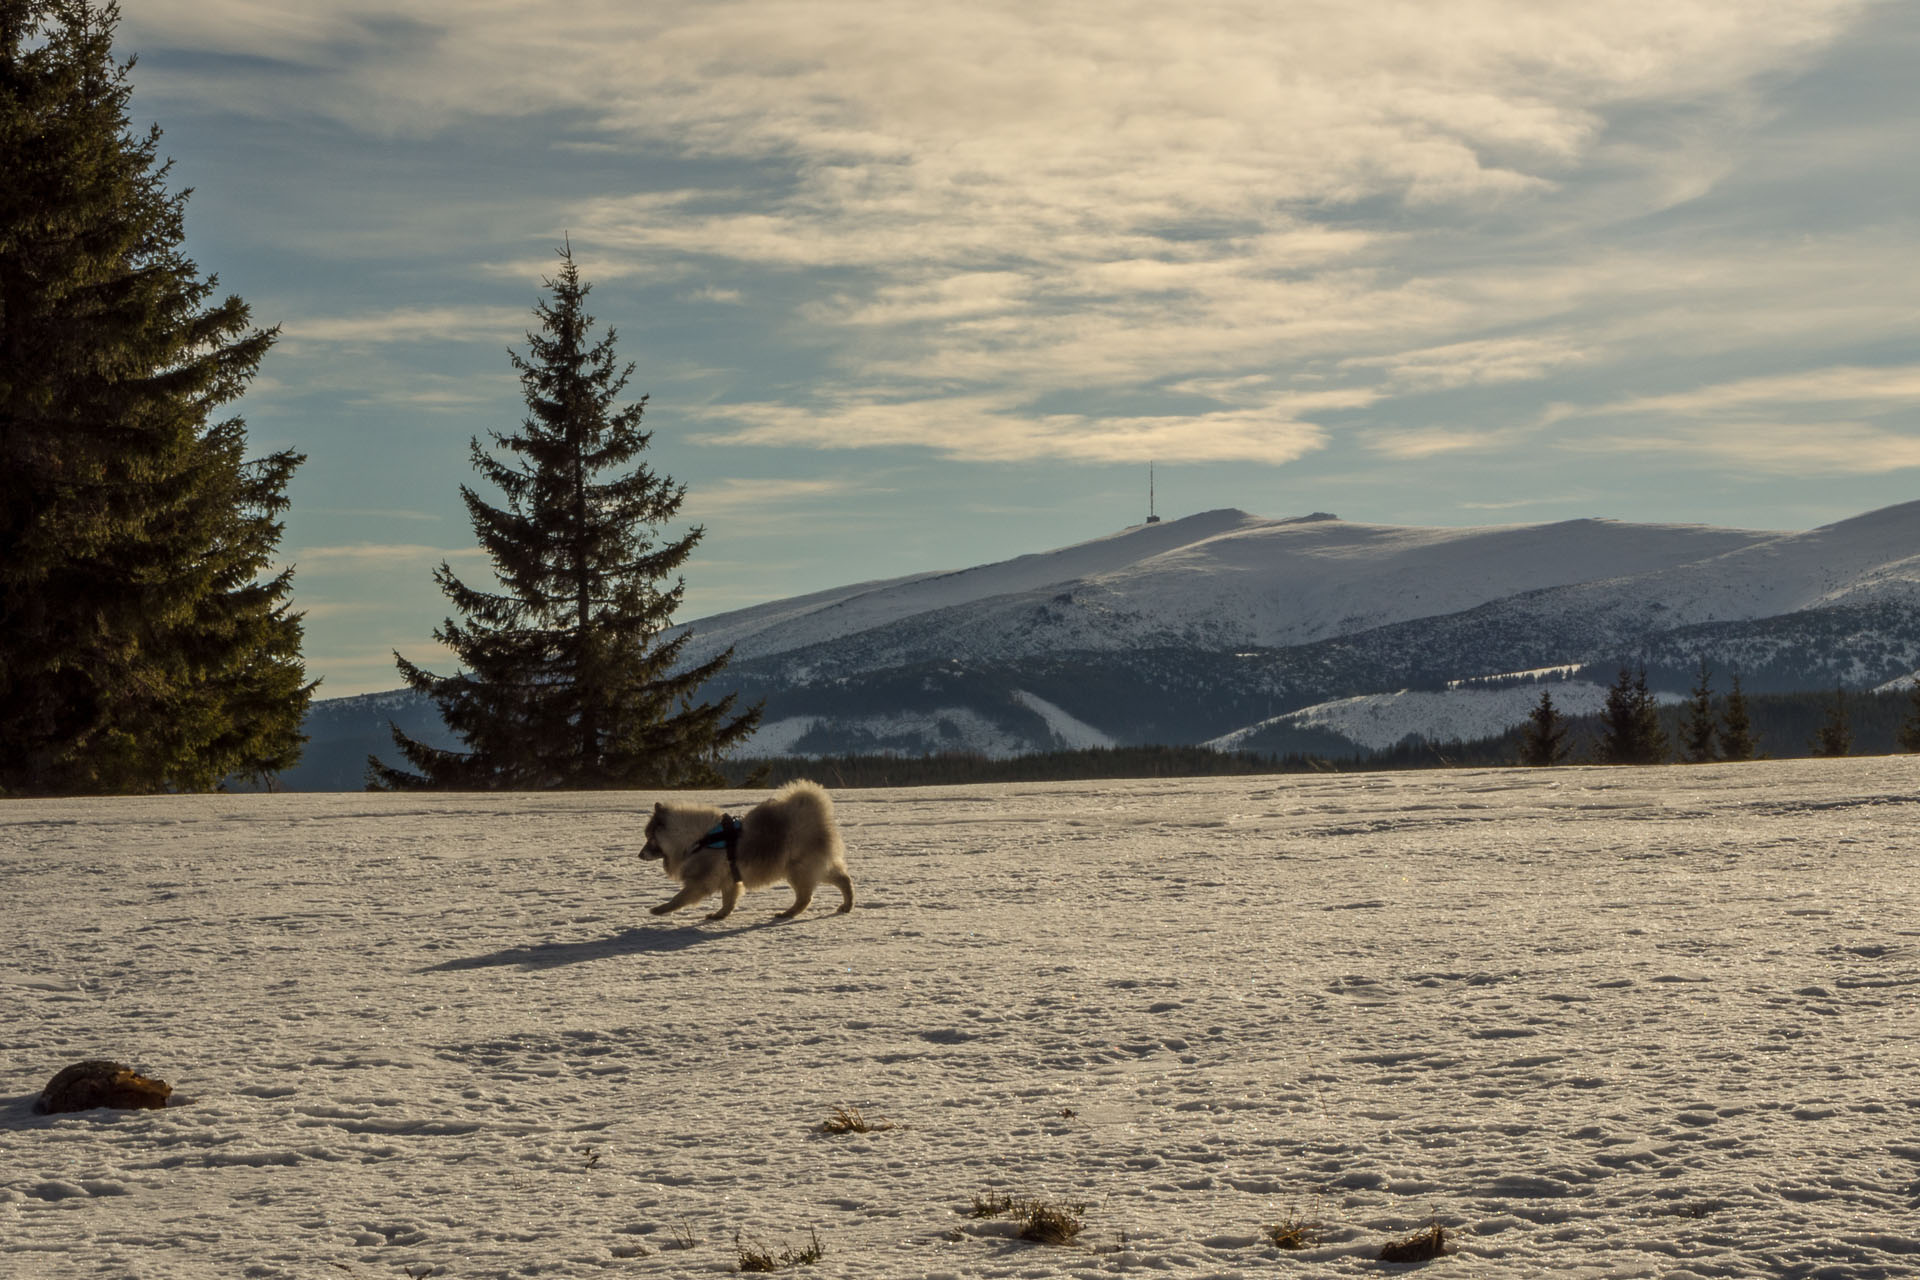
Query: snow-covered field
[[1616, 1022]]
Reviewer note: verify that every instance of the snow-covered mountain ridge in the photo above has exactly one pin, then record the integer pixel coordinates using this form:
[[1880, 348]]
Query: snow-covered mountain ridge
[[1219, 579], [1213, 626], [1200, 628]]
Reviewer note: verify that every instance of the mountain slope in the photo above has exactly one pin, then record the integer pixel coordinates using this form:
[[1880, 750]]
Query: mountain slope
[[1227, 580], [795, 623], [1198, 629], [1254, 618]]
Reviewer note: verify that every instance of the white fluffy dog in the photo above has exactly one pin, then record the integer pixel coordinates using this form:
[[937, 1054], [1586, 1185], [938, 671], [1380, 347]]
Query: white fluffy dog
[[790, 837]]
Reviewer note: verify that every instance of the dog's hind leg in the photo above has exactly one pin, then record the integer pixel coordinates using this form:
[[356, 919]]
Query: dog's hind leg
[[728, 896], [685, 898], [840, 881], [802, 895]]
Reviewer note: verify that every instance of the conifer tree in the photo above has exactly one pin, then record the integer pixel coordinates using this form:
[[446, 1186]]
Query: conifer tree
[[1697, 732], [1736, 726], [1630, 723], [1910, 727], [1835, 736], [1543, 738], [564, 680], [143, 644]]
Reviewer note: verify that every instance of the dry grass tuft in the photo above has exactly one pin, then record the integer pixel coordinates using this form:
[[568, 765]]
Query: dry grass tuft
[[990, 1206], [757, 1258], [1040, 1220], [849, 1120], [1422, 1246], [1049, 1223], [1293, 1232]]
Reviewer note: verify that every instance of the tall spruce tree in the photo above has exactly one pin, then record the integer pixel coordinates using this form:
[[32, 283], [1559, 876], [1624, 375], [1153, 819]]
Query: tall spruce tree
[[1698, 730], [1543, 739], [1630, 723], [143, 644], [565, 681], [1835, 735], [1737, 741]]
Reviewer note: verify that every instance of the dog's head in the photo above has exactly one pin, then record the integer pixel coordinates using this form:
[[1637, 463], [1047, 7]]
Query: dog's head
[[657, 822], [672, 833]]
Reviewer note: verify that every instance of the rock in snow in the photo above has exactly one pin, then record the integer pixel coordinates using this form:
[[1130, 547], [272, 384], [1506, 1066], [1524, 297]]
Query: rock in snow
[[98, 1082]]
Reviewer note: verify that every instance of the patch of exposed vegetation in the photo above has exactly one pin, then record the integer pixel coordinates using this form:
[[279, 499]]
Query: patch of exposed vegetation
[[1421, 1246], [1293, 1232], [756, 1257], [1042, 1221], [849, 1120]]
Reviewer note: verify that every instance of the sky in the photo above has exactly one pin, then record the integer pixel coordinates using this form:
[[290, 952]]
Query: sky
[[913, 291]]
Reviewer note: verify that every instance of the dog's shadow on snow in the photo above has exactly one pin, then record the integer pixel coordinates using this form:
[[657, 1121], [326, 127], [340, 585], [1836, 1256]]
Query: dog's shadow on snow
[[21, 1113], [627, 942]]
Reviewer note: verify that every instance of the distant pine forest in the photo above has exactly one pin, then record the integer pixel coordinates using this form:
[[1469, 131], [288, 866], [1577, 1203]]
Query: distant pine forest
[[1785, 724]]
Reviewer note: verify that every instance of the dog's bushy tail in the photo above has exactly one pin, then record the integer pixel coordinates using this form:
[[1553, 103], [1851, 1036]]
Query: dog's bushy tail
[[809, 805]]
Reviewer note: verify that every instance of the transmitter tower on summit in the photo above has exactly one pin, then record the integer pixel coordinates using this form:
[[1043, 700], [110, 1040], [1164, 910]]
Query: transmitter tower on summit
[[1151, 517]]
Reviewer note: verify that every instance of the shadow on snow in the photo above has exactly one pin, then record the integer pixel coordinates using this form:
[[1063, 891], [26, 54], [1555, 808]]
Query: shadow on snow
[[627, 942]]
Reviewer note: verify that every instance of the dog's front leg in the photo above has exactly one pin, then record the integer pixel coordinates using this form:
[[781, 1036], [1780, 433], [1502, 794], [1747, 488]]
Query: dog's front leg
[[728, 896], [685, 898]]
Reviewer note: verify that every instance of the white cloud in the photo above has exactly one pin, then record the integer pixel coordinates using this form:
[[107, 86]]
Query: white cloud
[[1810, 422], [1883, 387], [1018, 201], [361, 556], [748, 495], [712, 293], [596, 266], [1516, 503], [1430, 442], [982, 430], [1481, 362], [331, 609], [410, 324], [1812, 448]]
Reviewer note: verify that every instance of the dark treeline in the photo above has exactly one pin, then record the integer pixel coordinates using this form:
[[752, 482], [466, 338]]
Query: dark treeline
[[961, 768], [956, 768], [1786, 725]]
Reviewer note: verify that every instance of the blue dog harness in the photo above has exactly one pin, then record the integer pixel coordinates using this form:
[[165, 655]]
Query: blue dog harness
[[725, 835]]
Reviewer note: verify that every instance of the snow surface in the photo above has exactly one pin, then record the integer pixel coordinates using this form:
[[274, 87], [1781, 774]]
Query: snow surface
[[779, 737], [1072, 732], [1598, 1022]]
